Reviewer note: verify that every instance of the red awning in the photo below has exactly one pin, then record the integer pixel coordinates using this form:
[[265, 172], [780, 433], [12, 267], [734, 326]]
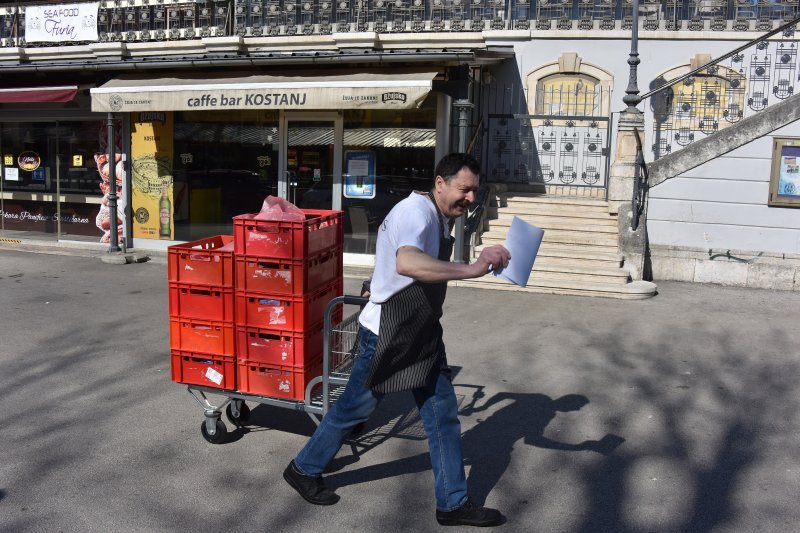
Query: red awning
[[30, 95]]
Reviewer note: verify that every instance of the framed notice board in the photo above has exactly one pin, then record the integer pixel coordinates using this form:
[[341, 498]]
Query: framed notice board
[[784, 181]]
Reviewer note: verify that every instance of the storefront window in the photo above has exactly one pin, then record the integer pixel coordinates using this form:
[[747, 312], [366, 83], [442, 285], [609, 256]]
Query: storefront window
[[50, 185], [223, 165], [387, 154]]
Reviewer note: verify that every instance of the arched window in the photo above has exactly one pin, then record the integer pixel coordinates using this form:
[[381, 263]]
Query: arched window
[[568, 95], [701, 104], [569, 87]]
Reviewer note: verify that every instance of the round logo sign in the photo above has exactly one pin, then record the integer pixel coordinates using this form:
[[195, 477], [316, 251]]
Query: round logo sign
[[115, 102], [141, 215], [29, 161]]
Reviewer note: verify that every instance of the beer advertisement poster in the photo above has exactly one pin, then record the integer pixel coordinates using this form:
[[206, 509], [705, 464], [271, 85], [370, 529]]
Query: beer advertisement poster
[[151, 169]]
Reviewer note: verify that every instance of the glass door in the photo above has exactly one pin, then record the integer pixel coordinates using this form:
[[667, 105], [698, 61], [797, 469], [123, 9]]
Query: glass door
[[311, 160]]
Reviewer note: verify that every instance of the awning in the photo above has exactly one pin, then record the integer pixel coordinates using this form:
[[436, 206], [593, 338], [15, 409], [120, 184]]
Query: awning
[[347, 90], [306, 136], [33, 95]]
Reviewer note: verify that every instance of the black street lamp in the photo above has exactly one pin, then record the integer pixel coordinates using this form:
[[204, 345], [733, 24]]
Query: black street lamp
[[631, 97]]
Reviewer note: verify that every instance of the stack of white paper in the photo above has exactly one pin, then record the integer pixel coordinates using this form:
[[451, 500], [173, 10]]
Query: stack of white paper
[[522, 242]]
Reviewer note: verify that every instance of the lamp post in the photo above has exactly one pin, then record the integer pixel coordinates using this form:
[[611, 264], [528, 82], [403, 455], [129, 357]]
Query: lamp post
[[464, 107], [631, 97], [112, 192]]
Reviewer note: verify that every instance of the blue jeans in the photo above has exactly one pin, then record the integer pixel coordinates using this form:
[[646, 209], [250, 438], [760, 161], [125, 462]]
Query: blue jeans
[[437, 407]]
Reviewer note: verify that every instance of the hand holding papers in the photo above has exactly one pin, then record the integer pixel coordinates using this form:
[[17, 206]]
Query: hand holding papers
[[522, 242]]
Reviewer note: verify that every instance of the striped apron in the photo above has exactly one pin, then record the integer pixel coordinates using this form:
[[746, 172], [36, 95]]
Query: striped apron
[[410, 350]]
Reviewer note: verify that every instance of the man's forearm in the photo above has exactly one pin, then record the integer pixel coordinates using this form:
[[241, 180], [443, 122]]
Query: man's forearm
[[418, 265]]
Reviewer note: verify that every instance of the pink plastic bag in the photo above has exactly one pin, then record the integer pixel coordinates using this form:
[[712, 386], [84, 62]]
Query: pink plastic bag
[[275, 208]]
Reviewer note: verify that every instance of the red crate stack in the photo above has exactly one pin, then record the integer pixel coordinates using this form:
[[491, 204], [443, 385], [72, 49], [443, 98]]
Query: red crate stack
[[286, 272], [201, 309]]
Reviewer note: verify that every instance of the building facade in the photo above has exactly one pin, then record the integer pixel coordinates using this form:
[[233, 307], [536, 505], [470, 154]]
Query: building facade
[[213, 105]]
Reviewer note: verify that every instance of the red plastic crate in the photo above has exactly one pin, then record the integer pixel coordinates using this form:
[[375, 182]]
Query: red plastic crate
[[277, 381], [285, 312], [202, 262], [202, 336], [216, 371], [322, 230], [277, 347], [203, 302], [288, 276]]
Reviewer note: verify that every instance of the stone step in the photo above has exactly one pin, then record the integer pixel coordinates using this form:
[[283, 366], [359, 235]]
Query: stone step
[[570, 272], [549, 211], [590, 239], [554, 190], [556, 223], [521, 199], [554, 251], [637, 290], [579, 264], [578, 269]]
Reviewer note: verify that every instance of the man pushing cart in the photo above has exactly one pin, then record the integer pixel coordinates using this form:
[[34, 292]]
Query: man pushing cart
[[400, 343]]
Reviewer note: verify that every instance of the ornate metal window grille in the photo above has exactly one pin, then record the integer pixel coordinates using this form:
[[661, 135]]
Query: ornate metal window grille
[[723, 94], [532, 149]]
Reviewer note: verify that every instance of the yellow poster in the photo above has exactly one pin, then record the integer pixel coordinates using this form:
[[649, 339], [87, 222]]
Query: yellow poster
[[151, 166]]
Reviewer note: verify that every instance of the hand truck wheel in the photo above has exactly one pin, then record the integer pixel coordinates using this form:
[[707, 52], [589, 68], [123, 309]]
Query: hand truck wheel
[[243, 415], [220, 431]]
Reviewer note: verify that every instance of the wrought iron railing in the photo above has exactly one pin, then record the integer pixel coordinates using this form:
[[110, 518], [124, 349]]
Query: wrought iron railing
[[548, 150], [145, 20], [640, 184], [557, 136], [722, 92]]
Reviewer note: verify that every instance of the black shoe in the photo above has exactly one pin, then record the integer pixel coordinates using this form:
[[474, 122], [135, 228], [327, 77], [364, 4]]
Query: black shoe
[[313, 489], [469, 515]]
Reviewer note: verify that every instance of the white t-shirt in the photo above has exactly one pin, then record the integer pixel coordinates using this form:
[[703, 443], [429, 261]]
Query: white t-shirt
[[412, 222]]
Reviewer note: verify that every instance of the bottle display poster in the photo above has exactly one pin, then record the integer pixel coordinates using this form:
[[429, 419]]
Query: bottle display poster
[[151, 166]]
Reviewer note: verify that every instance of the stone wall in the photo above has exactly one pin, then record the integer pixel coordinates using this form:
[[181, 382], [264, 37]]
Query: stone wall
[[726, 267]]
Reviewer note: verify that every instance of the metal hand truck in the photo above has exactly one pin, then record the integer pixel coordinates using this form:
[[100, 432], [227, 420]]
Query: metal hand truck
[[338, 353]]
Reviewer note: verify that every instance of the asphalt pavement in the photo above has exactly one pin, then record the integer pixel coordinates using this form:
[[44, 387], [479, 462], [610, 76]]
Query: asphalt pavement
[[677, 413]]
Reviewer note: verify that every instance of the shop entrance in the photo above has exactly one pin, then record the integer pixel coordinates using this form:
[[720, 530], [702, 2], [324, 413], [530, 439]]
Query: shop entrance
[[311, 160]]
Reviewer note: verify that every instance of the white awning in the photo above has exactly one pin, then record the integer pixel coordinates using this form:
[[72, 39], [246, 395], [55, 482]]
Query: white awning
[[349, 90]]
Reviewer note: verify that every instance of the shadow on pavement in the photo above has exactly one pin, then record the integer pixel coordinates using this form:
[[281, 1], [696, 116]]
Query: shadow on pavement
[[487, 446]]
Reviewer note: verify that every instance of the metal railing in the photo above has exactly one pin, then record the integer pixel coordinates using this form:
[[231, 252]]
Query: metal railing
[[722, 92], [560, 137], [640, 184], [146, 20]]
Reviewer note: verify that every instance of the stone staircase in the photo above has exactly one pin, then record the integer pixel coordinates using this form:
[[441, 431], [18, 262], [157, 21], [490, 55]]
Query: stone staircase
[[579, 254]]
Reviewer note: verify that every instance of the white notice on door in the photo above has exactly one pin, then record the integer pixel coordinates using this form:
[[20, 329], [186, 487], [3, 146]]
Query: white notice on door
[[358, 167], [12, 174]]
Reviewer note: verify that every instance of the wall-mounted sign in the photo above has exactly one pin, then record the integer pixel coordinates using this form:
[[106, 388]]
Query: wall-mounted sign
[[785, 177], [359, 181], [29, 161], [40, 174], [77, 160], [61, 23], [8, 160]]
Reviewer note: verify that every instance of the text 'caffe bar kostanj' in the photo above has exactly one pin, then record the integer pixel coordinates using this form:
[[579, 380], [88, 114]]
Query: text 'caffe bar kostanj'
[[194, 148]]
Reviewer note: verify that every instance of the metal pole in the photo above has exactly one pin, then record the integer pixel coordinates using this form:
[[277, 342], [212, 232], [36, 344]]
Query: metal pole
[[463, 107], [631, 97], [112, 191]]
